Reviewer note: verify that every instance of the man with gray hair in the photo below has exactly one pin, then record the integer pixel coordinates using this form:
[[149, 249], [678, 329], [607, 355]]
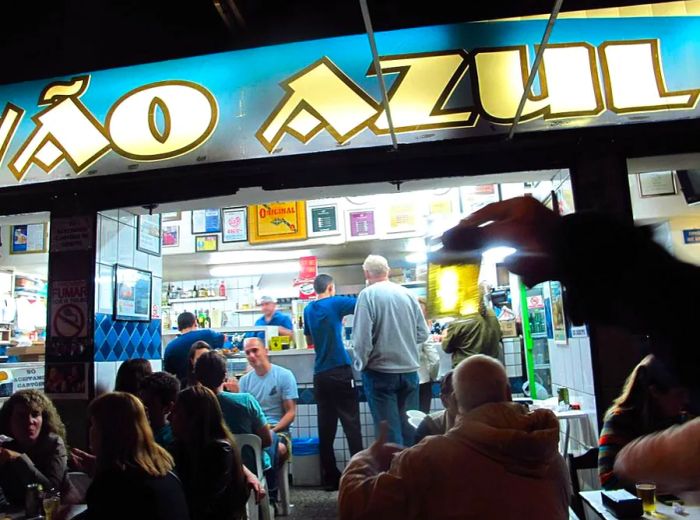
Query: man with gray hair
[[495, 447], [388, 330]]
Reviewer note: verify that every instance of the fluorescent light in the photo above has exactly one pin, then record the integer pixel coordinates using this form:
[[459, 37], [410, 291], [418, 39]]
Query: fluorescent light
[[224, 271], [257, 255], [417, 258], [496, 255]]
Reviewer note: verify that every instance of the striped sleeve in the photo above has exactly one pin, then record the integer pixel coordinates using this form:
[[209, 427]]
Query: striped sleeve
[[617, 432]]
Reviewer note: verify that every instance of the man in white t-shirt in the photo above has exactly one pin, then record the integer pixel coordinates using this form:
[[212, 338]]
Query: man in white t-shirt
[[275, 388]]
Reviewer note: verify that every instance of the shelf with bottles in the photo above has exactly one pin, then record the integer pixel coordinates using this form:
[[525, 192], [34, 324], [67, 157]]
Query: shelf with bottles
[[198, 299]]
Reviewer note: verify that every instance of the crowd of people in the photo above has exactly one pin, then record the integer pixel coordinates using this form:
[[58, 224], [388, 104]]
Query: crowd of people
[[162, 445]]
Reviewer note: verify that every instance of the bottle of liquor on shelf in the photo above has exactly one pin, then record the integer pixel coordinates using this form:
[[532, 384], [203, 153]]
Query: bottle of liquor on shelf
[[222, 289], [207, 319], [193, 292], [202, 291], [211, 292]]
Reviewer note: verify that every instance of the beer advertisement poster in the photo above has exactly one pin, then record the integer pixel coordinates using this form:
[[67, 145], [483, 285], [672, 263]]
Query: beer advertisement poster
[[277, 222]]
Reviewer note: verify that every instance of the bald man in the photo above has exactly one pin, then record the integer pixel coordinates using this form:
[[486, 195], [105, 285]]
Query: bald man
[[499, 461]]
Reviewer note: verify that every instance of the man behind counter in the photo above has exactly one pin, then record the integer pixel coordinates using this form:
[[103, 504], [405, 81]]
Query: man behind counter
[[272, 317], [175, 359]]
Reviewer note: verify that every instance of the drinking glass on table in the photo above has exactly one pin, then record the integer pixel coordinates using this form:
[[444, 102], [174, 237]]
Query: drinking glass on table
[[51, 503], [647, 493]]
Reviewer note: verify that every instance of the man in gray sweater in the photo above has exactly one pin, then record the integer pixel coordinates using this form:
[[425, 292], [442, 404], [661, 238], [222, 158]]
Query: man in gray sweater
[[387, 331]]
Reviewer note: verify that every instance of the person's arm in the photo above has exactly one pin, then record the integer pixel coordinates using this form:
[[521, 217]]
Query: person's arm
[[307, 331], [362, 330], [290, 412], [670, 458], [260, 424], [217, 340], [450, 342], [374, 485], [254, 484], [286, 328], [346, 305], [612, 440], [422, 331], [290, 394], [24, 470]]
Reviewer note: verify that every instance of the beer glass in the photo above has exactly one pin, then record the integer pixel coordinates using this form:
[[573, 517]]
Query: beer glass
[[647, 493], [453, 284], [51, 502]]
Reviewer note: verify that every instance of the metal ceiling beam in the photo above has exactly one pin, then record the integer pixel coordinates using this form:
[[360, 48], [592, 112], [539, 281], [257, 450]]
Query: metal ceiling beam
[[378, 71], [535, 65]]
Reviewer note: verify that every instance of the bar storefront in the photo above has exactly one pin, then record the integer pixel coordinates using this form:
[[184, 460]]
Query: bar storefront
[[204, 184]]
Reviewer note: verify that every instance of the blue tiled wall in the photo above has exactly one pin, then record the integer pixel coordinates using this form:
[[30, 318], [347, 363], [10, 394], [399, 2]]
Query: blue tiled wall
[[122, 340]]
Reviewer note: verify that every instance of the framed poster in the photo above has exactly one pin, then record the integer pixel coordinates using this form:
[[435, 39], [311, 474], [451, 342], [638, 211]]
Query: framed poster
[[277, 222], [235, 225], [323, 219], [402, 217], [206, 243], [171, 216], [474, 198], [656, 184], [558, 316], [148, 234], [132, 294], [66, 380], [206, 221], [361, 223], [171, 236], [28, 238]]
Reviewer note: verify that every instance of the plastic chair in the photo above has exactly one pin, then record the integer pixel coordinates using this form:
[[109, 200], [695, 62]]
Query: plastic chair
[[254, 442], [415, 417], [283, 486]]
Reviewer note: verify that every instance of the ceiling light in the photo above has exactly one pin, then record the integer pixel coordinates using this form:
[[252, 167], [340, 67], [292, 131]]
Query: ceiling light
[[224, 271], [417, 258]]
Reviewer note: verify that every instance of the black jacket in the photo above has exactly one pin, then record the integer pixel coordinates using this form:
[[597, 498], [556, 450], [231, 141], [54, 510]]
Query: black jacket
[[134, 495], [214, 488]]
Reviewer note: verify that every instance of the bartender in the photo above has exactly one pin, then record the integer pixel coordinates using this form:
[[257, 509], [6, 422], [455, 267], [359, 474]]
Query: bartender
[[273, 317]]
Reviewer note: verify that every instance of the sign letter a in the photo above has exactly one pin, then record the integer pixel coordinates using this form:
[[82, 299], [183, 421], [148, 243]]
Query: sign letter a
[[320, 96]]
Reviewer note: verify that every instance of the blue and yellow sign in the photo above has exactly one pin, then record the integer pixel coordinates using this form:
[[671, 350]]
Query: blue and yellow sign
[[445, 82]]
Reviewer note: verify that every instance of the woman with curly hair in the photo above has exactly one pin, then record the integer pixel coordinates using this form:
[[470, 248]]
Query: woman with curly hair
[[133, 475], [207, 459], [37, 453]]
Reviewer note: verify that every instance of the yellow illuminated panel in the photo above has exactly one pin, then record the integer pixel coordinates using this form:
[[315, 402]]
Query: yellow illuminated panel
[[277, 221], [453, 290]]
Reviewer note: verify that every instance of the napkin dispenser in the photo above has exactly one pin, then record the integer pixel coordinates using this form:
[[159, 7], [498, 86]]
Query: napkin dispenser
[[622, 504]]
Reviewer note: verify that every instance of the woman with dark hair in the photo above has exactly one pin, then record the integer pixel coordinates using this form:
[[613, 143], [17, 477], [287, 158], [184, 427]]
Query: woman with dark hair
[[37, 453], [130, 375], [207, 459], [133, 475], [197, 349], [652, 400]]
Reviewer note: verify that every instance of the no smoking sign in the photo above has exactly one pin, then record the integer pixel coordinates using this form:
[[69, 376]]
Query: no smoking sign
[[69, 309]]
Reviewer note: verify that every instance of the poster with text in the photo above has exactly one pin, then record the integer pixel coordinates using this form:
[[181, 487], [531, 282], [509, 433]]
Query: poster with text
[[361, 223], [206, 221], [558, 316], [235, 225], [66, 380], [28, 238], [277, 222], [148, 234]]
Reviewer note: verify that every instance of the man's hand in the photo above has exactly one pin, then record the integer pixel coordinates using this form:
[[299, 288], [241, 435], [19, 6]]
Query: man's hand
[[381, 452], [231, 385], [255, 485], [83, 461], [522, 223], [8, 456]]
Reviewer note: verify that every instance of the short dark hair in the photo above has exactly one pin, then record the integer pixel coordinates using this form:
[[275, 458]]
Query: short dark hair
[[197, 345], [322, 282], [162, 385], [185, 320], [210, 369], [131, 374]]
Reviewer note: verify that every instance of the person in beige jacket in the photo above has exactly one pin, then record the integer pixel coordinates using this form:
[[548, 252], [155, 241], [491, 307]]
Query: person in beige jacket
[[499, 461], [669, 458]]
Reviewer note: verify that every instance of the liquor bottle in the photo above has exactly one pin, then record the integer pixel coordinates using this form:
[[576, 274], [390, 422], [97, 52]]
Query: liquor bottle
[[193, 292], [222, 289], [207, 319], [202, 291]]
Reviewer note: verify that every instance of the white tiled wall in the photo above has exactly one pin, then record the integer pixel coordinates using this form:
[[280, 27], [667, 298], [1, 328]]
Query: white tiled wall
[[572, 368]]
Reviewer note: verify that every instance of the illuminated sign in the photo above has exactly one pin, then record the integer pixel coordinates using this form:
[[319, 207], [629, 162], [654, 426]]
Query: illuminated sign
[[444, 82]]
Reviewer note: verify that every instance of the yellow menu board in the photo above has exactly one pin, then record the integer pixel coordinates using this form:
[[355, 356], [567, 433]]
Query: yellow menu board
[[277, 222]]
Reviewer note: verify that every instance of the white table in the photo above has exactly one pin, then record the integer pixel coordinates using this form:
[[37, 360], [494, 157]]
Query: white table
[[595, 510], [567, 417]]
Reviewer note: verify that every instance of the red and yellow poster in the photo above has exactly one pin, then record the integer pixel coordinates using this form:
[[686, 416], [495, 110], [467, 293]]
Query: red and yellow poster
[[277, 222]]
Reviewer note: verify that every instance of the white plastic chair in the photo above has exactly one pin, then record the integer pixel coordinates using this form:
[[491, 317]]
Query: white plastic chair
[[415, 417], [254, 442], [283, 486]]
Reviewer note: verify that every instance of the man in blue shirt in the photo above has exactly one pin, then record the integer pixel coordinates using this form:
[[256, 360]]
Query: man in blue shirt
[[271, 316], [177, 352], [334, 385]]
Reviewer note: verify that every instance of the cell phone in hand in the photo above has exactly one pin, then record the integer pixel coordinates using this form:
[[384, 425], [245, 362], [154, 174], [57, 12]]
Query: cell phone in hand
[[5, 438]]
